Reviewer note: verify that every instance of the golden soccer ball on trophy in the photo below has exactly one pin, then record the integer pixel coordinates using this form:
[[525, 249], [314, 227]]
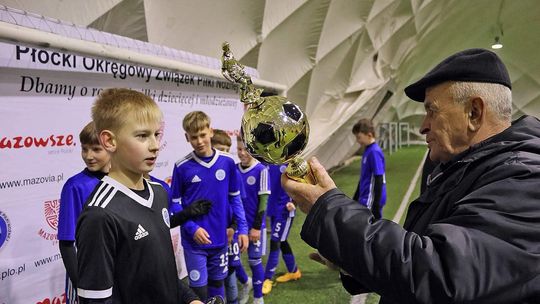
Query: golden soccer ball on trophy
[[274, 129]]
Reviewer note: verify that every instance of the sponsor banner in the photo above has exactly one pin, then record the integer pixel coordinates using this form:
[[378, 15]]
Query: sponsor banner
[[45, 100]]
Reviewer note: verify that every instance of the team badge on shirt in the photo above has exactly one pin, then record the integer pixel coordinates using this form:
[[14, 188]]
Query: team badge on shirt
[[251, 180], [194, 275], [166, 218], [220, 174]]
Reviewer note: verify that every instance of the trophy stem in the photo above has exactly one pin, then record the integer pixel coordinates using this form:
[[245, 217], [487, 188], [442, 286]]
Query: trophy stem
[[299, 170]]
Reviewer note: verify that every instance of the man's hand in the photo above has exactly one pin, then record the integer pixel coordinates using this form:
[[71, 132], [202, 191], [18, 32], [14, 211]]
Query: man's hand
[[198, 207], [243, 242], [305, 195], [202, 237], [254, 235]]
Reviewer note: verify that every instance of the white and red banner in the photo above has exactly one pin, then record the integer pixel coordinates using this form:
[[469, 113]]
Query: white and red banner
[[45, 100]]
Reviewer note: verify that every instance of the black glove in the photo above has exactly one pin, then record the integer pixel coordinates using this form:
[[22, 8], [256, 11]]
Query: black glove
[[197, 208], [215, 300]]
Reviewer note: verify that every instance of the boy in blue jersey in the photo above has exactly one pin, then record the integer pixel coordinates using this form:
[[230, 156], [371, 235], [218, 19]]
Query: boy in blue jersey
[[123, 239], [74, 193], [257, 188], [222, 142], [281, 211], [371, 190], [207, 174]]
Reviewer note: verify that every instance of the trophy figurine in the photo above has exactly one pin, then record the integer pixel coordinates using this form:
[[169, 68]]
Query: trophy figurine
[[274, 129]]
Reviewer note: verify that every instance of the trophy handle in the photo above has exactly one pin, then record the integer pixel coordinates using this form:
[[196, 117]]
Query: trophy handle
[[300, 171]]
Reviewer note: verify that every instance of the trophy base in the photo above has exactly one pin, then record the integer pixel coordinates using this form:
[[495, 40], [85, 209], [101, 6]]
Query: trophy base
[[300, 171]]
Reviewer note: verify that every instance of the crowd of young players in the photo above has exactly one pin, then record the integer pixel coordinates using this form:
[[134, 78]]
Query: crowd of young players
[[220, 205]]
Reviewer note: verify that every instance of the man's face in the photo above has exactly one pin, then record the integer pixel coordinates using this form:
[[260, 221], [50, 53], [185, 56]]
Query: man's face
[[201, 141], [445, 124]]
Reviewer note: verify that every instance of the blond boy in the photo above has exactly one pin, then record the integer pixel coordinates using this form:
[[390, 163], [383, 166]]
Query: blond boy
[[123, 239]]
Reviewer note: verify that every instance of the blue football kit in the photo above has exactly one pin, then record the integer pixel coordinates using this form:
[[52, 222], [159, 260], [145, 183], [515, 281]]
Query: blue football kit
[[281, 221], [255, 184], [215, 179], [74, 194], [372, 165]]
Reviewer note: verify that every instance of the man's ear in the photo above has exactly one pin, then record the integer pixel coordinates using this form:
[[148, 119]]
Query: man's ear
[[476, 114], [108, 140]]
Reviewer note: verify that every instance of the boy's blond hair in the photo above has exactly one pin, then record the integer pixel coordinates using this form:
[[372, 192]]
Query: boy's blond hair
[[221, 138], [114, 107], [89, 135], [195, 121]]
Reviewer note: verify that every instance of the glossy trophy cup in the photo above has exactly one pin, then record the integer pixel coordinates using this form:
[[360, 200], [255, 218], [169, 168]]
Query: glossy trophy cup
[[274, 129]]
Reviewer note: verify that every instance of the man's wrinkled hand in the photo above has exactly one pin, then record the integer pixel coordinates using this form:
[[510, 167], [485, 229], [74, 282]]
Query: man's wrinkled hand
[[305, 195]]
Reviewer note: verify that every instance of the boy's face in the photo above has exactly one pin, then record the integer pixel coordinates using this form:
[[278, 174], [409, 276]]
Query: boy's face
[[243, 155], [221, 147], [137, 147], [95, 157], [364, 139], [201, 141]]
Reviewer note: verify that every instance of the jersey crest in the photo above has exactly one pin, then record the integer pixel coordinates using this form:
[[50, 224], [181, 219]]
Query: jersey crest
[[220, 174], [166, 218]]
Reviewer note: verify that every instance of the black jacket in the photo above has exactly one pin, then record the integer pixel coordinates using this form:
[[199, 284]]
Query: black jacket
[[472, 237]]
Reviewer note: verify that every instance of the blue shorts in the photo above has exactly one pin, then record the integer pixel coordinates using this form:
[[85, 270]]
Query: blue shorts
[[234, 251], [281, 226], [206, 264], [258, 249]]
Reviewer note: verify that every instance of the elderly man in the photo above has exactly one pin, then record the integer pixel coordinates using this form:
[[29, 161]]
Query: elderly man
[[474, 235]]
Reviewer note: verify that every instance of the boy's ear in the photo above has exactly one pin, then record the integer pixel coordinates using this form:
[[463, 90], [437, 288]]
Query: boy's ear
[[187, 138], [108, 140]]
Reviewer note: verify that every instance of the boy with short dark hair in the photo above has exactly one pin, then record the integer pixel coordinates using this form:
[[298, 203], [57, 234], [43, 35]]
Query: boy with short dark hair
[[222, 141], [124, 245], [74, 194], [257, 188], [207, 174], [371, 189]]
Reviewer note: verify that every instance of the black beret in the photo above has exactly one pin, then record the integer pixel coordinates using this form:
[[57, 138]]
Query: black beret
[[474, 65]]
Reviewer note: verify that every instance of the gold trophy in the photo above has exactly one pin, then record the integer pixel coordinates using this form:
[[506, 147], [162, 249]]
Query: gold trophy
[[275, 130]]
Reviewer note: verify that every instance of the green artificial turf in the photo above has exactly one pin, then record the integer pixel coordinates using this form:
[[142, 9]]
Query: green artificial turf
[[319, 284]]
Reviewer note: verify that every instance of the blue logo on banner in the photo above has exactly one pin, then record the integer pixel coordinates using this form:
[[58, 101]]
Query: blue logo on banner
[[5, 228]]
